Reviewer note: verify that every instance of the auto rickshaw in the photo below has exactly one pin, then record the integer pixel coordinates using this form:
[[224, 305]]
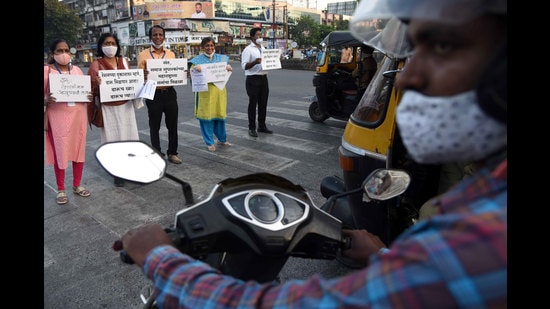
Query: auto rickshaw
[[370, 141], [336, 93]]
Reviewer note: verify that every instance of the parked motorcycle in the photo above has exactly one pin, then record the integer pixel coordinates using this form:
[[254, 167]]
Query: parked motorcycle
[[248, 226]]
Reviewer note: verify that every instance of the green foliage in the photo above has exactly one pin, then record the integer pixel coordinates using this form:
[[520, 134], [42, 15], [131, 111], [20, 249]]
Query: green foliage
[[309, 33], [305, 32], [60, 22]]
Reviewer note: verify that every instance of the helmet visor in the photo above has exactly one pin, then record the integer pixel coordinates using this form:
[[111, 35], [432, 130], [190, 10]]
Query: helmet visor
[[441, 11]]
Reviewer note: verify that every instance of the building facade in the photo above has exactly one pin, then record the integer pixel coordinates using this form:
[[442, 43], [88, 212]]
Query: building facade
[[227, 21]]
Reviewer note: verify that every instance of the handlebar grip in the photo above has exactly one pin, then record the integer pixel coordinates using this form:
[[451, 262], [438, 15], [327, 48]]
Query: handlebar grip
[[346, 242], [125, 258]]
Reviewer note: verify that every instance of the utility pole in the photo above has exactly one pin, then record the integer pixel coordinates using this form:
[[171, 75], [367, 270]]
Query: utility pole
[[273, 26], [286, 25]]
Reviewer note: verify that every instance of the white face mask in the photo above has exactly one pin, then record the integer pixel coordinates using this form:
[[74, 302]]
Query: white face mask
[[259, 41], [158, 46], [109, 51], [447, 129], [209, 55], [62, 59]]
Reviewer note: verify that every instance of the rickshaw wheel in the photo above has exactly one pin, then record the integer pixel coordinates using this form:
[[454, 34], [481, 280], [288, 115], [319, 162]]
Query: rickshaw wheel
[[316, 114]]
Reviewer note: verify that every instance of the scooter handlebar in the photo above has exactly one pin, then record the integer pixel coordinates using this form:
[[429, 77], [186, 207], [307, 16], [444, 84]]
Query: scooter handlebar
[[126, 259]]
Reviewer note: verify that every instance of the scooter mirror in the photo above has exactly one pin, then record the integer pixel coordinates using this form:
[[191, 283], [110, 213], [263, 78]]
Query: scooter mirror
[[131, 160], [383, 184]]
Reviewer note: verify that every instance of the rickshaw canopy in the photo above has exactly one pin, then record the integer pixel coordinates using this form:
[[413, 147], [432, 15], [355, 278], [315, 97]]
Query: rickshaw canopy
[[340, 38]]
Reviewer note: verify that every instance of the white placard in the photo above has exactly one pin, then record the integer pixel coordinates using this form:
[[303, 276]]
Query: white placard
[[271, 59], [120, 85], [168, 72], [198, 80], [214, 72], [148, 90], [70, 88]]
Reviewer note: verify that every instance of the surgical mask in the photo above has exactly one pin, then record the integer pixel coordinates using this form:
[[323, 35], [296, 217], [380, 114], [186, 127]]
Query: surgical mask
[[109, 51], [259, 41], [158, 46], [62, 59], [447, 129], [210, 55]]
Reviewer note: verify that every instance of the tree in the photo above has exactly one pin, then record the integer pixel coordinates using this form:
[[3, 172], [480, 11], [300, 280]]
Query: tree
[[60, 22], [306, 32]]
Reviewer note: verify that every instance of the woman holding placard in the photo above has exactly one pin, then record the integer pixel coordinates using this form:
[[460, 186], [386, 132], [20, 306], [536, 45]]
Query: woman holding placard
[[119, 117], [65, 124], [211, 105]]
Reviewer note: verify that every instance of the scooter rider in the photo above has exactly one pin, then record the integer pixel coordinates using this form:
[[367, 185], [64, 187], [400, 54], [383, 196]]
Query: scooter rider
[[454, 108]]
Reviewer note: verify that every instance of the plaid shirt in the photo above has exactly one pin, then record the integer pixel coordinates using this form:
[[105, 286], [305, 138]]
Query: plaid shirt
[[457, 259]]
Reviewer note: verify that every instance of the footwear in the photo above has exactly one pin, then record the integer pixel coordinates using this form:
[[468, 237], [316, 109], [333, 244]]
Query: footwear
[[174, 159], [211, 148], [252, 133], [265, 130], [61, 198], [225, 143], [119, 182], [81, 191]]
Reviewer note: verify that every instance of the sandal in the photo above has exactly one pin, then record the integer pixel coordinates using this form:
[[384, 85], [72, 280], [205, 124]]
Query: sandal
[[61, 198], [81, 191], [211, 148], [225, 143]]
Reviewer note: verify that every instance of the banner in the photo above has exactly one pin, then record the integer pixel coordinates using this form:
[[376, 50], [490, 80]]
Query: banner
[[169, 10]]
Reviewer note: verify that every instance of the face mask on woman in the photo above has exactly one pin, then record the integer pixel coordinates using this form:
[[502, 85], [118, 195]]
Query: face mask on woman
[[109, 51], [62, 59]]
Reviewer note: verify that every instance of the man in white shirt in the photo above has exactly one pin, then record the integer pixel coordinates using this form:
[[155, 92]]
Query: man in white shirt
[[257, 86]]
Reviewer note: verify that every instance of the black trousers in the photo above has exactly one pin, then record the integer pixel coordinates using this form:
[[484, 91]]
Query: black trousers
[[165, 101], [257, 88]]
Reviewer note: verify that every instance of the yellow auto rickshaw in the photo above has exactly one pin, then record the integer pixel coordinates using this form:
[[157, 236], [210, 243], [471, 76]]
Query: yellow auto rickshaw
[[336, 91], [370, 141]]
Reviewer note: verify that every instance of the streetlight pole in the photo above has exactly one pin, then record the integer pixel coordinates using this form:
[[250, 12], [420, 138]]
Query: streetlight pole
[[286, 25], [273, 26]]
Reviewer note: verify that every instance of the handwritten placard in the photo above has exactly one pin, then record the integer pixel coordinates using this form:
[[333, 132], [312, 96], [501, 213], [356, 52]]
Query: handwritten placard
[[70, 88], [119, 85], [168, 72], [271, 59]]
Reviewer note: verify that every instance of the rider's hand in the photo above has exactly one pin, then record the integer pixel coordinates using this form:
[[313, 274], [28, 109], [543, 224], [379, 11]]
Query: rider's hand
[[363, 245], [140, 241]]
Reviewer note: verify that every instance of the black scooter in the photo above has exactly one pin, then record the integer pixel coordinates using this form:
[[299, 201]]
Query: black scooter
[[248, 226]]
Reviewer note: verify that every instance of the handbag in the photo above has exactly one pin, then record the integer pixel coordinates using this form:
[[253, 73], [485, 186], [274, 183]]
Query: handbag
[[45, 105], [95, 113]]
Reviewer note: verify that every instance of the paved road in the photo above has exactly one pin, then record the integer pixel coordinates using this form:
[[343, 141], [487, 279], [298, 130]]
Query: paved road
[[81, 270]]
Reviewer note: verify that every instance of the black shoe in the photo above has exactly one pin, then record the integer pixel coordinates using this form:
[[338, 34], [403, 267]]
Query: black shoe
[[265, 130], [252, 133], [119, 182]]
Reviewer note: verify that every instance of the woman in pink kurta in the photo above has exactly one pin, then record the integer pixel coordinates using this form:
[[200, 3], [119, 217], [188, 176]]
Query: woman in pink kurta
[[66, 125]]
